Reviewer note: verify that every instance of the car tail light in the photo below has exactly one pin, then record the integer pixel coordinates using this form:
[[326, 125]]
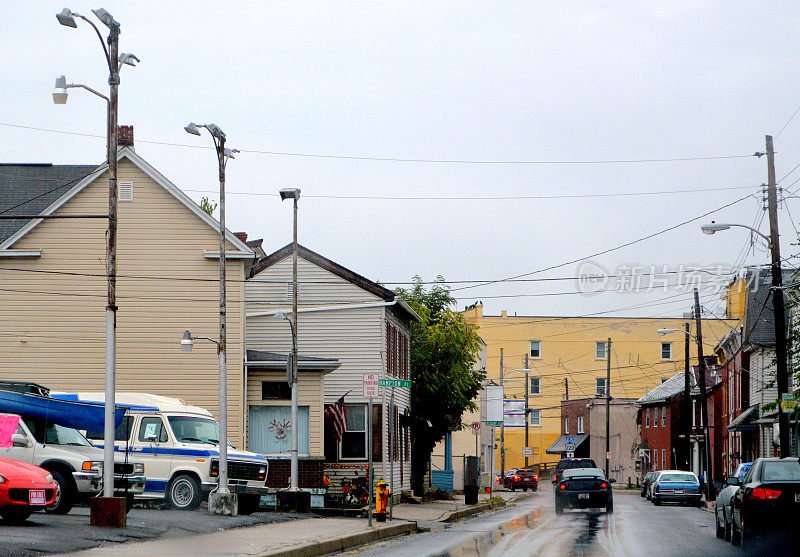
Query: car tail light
[[562, 486], [516, 478], [535, 476], [555, 477], [762, 493], [604, 485]]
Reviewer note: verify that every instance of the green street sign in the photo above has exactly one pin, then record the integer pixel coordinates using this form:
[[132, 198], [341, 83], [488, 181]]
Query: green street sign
[[498, 423], [394, 382]]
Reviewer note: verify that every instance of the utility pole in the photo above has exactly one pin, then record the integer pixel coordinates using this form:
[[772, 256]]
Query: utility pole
[[781, 365], [527, 410], [687, 395], [566, 389], [608, 403], [703, 407], [502, 426]]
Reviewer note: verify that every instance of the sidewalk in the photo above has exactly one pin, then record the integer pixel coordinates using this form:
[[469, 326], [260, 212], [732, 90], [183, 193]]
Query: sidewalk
[[308, 537]]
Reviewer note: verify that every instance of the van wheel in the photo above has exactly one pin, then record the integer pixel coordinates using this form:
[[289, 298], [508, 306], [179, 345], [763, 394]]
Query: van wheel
[[184, 493], [67, 492]]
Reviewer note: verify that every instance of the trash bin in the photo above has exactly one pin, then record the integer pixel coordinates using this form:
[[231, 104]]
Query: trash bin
[[471, 480]]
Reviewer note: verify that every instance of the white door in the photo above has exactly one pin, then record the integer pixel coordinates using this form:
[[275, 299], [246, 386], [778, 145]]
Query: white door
[[151, 443]]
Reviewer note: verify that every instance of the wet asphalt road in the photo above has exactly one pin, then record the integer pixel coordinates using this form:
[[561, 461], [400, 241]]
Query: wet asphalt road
[[531, 527]]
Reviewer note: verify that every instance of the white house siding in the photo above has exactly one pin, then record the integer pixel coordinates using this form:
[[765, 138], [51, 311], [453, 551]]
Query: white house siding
[[53, 325], [763, 391], [356, 337]]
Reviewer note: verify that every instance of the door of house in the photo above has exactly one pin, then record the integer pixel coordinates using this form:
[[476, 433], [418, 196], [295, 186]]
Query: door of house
[[271, 429]]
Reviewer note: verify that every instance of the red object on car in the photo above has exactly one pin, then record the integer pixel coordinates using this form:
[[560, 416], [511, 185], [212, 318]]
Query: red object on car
[[24, 488]]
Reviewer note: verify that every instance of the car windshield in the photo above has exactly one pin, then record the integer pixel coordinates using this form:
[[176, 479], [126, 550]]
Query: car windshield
[[54, 434], [583, 472], [676, 477], [781, 471], [189, 429]]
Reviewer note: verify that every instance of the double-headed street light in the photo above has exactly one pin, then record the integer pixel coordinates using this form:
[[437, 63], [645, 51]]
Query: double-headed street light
[[221, 501], [293, 194], [114, 61]]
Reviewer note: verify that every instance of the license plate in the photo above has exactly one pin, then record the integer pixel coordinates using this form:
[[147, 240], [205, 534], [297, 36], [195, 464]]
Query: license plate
[[36, 497], [679, 491], [583, 495]]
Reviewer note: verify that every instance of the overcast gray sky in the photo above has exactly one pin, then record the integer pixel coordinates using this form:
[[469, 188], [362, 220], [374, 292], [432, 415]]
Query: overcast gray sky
[[466, 81]]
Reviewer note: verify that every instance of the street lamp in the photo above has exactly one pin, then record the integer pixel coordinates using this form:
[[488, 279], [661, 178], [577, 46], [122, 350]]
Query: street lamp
[[67, 18], [293, 194], [778, 307], [670, 331], [221, 500]]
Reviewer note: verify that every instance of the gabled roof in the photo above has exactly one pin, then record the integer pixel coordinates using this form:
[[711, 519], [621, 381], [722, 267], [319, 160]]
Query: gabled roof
[[668, 389], [71, 189], [325, 263], [28, 189]]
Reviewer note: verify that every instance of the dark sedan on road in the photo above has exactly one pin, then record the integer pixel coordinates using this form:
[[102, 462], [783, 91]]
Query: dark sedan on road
[[722, 505], [676, 486], [768, 501], [583, 488]]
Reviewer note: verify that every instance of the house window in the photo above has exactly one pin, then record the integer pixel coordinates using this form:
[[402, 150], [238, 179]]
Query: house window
[[275, 390], [354, 439], [271, 429], [536, 349], [664, 416], [600, 350], [655, 459], [535, 385], [535, 417], [666, 350], [600, 389], [694, 413], [566, 426], [655, 417], [664, 458], [647, 418], [580, 424]]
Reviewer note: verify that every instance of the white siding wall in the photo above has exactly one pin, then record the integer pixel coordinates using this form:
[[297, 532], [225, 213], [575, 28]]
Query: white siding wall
[[356, 337], [52, 327]]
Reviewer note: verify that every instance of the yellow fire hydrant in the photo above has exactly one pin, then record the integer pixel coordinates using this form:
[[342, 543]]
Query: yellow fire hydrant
[[382, 494]]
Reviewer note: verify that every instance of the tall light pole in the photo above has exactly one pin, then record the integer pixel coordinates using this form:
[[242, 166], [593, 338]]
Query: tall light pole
[[221, 501], [294, 194], [778, 306], [67, 18]]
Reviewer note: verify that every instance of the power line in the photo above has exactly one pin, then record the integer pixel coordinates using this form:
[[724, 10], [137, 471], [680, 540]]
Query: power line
[[398, 159], [787, 122], [603, 252]]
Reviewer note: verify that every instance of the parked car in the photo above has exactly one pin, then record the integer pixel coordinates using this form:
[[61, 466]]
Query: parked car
[[522, 478], [24, 488], [75, 464], [179, 445], [676, 486], [648, 478], [570, 463], [768, 501], [582, 488], [654, 477], [722, 505]]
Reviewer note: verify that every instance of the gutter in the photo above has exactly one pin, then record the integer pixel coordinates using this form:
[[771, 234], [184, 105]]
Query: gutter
[[326, 308]]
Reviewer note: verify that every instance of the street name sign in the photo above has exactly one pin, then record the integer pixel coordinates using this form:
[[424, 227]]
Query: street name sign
[[395, 383], [371, 389], [527, 452], [492, 423]]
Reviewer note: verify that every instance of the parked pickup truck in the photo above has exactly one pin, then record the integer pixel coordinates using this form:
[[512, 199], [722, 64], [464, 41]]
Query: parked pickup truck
[[179, 445], [74, 463]]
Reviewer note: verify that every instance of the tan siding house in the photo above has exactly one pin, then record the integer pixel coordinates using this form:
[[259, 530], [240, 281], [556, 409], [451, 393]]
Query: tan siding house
[[53, 298], [341, 316]]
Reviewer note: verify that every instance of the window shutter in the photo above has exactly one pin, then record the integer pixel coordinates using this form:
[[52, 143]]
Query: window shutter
[[377, 433], [331, 452]]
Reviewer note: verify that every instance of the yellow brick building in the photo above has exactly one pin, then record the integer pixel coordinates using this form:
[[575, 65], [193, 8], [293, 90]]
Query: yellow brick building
[[569, 353]]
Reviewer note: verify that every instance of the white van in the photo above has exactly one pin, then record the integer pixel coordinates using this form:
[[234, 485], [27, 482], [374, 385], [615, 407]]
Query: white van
[[178, 444]]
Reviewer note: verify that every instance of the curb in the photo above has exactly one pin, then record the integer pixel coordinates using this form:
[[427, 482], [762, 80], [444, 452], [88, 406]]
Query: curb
[[337, 545], [455, 516]]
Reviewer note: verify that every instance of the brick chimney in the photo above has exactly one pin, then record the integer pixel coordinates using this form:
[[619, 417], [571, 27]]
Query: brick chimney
[[125, 136], [241, 235]]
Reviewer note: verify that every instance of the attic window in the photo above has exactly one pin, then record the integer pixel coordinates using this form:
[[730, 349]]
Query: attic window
[[125, 191]]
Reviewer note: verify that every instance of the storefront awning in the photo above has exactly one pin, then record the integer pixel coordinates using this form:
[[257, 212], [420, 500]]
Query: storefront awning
[[560, 446], [746, 421]]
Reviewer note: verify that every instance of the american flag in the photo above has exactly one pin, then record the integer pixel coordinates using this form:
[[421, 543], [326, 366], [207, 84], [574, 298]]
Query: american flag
[[339, 418]]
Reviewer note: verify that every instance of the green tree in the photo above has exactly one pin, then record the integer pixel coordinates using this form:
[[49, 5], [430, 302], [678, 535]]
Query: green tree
[[444, 349], [208, 205]]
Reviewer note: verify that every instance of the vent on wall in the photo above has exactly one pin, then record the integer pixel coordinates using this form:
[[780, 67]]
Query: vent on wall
[[125, 192]]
